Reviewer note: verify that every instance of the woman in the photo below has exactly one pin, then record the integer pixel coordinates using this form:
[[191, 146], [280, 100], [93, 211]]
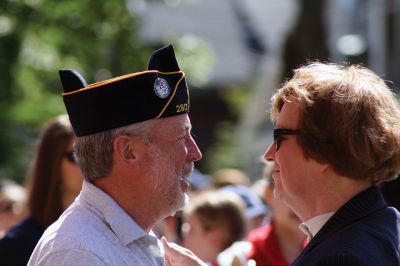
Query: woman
[[54, 180]]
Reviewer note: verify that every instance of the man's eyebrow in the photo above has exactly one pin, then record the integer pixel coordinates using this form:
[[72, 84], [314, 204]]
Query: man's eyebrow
[[188, 127]]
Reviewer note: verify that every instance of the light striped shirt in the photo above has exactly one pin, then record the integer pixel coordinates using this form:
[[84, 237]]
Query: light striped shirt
[[94, 230]]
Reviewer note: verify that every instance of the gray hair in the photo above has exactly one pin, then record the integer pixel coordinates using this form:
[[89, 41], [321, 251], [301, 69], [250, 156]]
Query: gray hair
[[94, 153]]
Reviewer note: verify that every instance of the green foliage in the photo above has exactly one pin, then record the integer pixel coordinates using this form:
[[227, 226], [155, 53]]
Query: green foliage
[[237, 98], [195, 57], [38, 37], [225, 152]]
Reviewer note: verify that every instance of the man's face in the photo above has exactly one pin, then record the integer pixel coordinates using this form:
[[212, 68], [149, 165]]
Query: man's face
[[294, 175], [173, 152]]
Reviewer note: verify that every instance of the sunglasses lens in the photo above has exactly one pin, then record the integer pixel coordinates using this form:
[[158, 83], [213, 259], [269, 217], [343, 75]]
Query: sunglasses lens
[[277, 143], [70, 157]]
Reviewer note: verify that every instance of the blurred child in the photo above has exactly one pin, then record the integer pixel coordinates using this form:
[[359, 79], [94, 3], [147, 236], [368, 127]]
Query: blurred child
[[12, 200], [213, 221]]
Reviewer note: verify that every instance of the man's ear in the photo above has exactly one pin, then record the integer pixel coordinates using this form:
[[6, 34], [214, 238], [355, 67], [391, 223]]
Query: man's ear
[[124, 148]]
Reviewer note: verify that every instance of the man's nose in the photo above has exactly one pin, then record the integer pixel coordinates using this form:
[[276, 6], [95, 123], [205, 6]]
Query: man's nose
[[194, 152]]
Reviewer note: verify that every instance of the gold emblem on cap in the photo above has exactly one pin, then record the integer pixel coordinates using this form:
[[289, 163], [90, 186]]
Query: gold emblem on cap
[[161, 88]]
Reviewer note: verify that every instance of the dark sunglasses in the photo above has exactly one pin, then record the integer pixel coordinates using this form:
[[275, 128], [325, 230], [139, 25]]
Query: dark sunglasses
[[279, 132], [70, 157]]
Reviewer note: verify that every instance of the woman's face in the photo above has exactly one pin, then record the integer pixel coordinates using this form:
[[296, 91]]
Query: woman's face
[[71, 176]]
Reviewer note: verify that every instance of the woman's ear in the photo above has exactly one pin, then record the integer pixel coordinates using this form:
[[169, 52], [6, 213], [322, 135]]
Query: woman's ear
[[124, 148]]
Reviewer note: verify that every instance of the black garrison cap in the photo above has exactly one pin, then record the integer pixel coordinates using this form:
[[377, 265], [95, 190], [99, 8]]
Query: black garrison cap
[[159, 92]]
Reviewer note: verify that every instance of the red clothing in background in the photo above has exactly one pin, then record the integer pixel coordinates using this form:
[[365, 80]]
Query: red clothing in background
[[265, 249]]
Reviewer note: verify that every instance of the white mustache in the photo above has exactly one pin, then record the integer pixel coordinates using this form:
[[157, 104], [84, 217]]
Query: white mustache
[[188, 169]]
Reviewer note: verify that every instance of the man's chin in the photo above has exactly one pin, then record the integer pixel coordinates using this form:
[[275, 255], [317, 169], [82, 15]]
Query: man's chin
[[187, 199], [184, 201], [181, 203]]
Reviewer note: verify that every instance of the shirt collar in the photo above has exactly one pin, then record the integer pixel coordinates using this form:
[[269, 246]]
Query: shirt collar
[[312, 226], [123, 226]]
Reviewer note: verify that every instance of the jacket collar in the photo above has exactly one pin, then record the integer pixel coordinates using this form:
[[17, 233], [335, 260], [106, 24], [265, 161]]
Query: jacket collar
[[361, 205]]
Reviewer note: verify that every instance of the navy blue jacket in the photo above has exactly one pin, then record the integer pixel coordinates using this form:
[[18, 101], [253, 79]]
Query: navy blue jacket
[[364, 231], [18, 243]]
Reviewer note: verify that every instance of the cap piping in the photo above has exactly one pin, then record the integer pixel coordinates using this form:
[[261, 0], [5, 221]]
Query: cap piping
[[100, 83], [173, 95]]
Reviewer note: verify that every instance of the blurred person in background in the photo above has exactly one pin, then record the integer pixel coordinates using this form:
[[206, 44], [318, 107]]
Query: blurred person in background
[[279, 242], [12, 202], [237, 181], [53, 182], [170, 227], [230, 176], [255, 208], [213, 220]]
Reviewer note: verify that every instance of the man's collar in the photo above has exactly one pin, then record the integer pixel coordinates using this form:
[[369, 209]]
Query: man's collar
[[123, 226]]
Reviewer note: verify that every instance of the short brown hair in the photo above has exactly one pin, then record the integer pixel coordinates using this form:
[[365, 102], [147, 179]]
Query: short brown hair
[[94, 153], [219, 209], [350, 119]]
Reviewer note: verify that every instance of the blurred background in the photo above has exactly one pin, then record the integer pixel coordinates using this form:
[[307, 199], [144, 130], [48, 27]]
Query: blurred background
[[235, 54]]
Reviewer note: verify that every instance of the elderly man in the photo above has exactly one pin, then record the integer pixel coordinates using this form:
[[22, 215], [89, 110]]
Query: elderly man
[[135, 149], [337, 136]]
